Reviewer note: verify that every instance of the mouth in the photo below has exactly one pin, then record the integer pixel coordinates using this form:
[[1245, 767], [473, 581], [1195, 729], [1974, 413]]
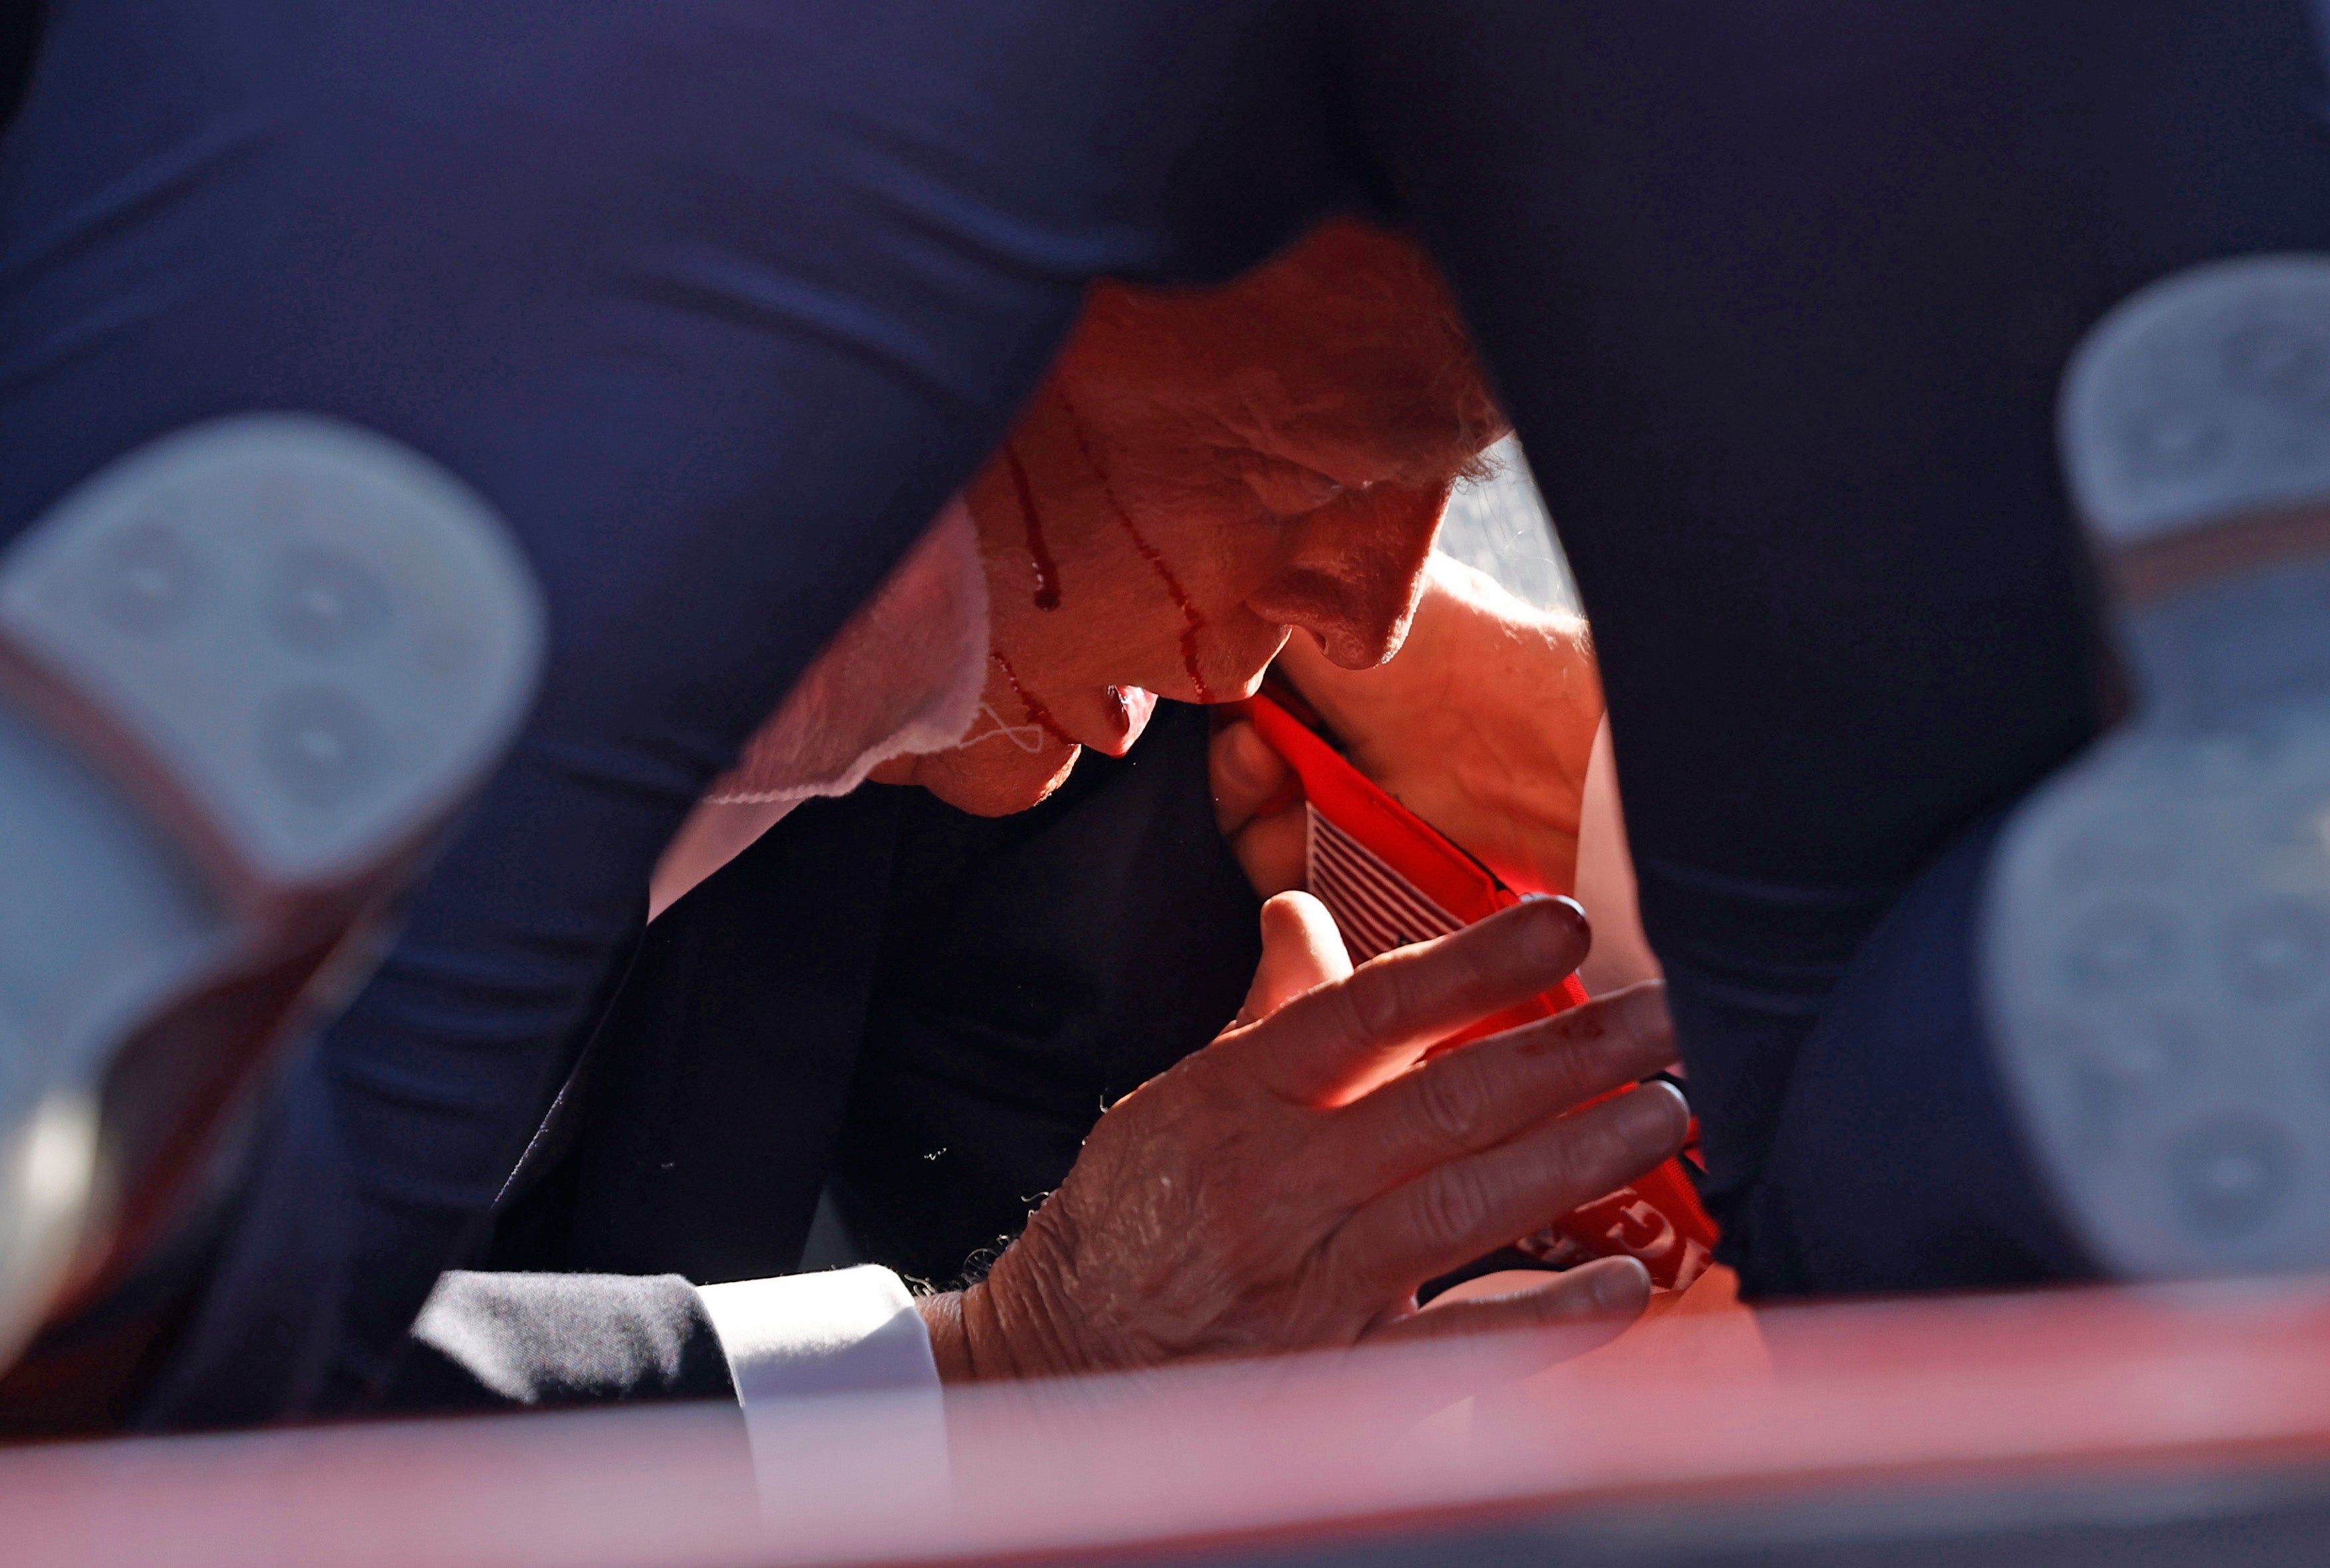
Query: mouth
[[1123, 714]]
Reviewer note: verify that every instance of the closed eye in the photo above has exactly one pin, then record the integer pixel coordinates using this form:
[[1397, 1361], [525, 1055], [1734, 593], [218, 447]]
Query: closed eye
[[1290, 489]]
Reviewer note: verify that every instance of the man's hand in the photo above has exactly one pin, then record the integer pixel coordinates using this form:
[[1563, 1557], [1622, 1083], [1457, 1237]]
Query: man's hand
[[1290, 1186]]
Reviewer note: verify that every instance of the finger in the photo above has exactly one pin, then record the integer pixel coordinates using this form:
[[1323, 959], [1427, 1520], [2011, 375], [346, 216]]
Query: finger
[[1473, 1098], [1246, 774], [1335, 1044], [1608, 1293], [1490, 1286], [1470, 1205], [1487, 1343], [1301, 952], [1271, 852]]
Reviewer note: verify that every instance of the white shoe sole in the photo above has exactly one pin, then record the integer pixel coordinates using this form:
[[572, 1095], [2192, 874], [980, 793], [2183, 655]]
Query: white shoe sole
[[2156, 949], [246, 673]]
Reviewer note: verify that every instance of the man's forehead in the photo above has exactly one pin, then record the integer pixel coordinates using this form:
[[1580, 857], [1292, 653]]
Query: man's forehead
[[1346, 357], [1382, 419], [1363, 438]]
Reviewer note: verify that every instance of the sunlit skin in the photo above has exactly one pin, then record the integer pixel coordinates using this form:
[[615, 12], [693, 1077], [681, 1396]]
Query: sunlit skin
[[1284, 448]]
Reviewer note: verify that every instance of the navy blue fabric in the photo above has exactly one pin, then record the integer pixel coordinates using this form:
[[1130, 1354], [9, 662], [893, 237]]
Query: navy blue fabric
[[1780, 296], [1894, 1160], [718, 300]]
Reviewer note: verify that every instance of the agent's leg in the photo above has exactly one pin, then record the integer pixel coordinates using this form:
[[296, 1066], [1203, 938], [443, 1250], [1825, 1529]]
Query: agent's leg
[[1781, 298], [2155, 933], [246, 675]]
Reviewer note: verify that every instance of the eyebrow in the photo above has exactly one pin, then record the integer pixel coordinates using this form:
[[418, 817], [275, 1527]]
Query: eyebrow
[[1415, 459]]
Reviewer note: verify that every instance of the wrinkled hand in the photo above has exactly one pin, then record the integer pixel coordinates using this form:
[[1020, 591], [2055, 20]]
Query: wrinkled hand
[[1290, 1186], [1483, 725]]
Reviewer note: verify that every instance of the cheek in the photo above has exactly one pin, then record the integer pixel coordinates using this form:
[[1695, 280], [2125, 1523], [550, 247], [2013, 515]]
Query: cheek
[[1195, 564], [1206, 567], [1144, 598], [1109, 610]]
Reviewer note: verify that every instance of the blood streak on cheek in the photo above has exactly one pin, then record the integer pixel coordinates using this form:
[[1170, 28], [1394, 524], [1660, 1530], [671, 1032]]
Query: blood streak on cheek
[[1037, 713], [1192, 623], [1048, 574]]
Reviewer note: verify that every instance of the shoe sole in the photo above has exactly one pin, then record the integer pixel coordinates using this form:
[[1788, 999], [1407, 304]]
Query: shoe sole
[[246, 675], [2155, 945]]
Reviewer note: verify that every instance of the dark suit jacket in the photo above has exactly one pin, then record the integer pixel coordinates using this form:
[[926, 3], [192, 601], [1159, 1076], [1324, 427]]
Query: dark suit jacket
[[921, 1009]]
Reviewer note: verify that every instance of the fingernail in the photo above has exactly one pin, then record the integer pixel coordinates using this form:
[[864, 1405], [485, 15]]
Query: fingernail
[[1618, 1287], [1651, 1120], [1556, 939]]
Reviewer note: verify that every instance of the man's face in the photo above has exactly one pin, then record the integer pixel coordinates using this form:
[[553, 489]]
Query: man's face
[[1201, 477]]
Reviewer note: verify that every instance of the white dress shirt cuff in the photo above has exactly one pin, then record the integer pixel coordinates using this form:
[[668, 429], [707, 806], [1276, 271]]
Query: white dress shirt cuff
[[847, 1331]]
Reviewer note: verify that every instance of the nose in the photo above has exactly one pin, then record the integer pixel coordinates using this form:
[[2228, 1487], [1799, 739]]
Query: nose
[[1354, 571]]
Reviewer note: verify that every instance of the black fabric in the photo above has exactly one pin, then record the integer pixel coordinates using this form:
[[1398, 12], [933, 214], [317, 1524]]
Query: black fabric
[[493, 1341], [1033, 970], [21, 22], [925, 1008], [712, 1085]]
